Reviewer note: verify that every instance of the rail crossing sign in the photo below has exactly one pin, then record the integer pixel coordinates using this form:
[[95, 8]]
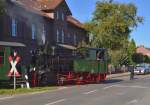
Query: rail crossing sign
[[14, 70]]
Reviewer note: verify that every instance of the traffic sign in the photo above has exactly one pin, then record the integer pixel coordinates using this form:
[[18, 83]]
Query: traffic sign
[[13, 64]]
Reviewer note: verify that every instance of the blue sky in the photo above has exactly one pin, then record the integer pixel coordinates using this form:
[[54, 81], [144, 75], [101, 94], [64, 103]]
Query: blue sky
[[83, 9]]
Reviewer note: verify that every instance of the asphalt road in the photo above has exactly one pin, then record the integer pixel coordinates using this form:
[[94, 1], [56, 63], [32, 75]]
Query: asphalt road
[[118, 91]]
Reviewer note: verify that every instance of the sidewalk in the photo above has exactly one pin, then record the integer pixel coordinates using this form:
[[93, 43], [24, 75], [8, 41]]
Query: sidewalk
[[118, 75], [3, 97]]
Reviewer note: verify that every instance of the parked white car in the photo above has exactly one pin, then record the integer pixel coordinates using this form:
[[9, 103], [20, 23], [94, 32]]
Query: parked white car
[[142, 69]]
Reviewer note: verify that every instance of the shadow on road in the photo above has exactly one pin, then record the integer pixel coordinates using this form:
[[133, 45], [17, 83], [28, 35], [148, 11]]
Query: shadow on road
[[112, 81]]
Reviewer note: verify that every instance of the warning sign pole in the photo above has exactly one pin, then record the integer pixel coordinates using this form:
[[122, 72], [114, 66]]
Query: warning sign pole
[[14, 80]]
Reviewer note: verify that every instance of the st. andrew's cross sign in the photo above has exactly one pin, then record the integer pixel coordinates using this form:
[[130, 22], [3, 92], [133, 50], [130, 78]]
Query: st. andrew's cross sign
[[13, 64]]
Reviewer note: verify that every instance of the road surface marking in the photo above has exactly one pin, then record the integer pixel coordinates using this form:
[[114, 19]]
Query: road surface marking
[[4, 98], [132, 102], [134, 86], [62, 88], [55, 102], [121, 93], [90, 92], [108, 87]]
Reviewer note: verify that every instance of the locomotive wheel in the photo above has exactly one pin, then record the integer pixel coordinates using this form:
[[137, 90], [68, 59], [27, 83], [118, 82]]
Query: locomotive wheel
[[97, 80], [44, 80]]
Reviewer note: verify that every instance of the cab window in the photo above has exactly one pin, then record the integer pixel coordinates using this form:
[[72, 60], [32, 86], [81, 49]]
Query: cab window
[[99, 55], [1, 57]]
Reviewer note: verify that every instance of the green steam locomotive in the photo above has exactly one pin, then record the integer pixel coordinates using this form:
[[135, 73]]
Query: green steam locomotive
[[91, 68]]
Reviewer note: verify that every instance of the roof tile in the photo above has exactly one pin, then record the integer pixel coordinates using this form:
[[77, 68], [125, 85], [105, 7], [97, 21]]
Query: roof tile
[[37, 6], [74, 21], [41, 4]]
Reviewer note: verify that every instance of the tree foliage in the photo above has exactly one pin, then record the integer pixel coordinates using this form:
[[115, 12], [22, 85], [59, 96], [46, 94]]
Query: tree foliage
[[1, 6], [131, 51], [138, 58], [82, 48], [118, 57], [111, 26], [146, 59]]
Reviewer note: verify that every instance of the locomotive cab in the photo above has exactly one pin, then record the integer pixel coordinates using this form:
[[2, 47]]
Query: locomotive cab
[[99, 54]]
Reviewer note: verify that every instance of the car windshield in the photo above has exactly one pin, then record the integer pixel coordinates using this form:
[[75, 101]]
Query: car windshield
[[139, 66], [142, 66]]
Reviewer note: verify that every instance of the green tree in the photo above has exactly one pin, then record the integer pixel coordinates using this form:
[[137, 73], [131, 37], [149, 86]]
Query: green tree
[[131, 50], [1, 6], [118, 57], [146, 59], [111, 26], [138, 58], [82, 48]]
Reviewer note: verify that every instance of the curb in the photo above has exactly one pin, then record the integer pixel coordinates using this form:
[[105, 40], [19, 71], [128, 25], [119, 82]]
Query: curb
[[118, 75], [33, 93], [3, 96]]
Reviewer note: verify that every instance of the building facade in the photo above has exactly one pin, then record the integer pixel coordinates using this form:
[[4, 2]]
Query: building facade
[[35, 22]]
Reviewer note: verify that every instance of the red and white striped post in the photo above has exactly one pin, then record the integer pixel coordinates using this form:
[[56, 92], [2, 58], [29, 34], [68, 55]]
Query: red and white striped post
[[13, 72]]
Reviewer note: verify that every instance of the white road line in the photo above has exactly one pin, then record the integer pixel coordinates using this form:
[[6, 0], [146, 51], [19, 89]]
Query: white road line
[[122, 86], [121, 93], [55, 102], [132, 102], [90, 92], [134, 86], [62, 88], [108, 87], [4, 98]]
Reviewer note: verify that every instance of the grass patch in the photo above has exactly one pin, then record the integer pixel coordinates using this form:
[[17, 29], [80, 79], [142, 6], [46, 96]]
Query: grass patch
[[24, 90]]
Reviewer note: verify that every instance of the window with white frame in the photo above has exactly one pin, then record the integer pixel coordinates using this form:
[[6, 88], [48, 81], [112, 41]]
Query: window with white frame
[[68, 35], [44, 30], [74, 53], [14, 27], [62, 16], [57, 14], [33, 29], [75, 39], [44, 34], [63, 36], [57, 35], [68, 38]]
